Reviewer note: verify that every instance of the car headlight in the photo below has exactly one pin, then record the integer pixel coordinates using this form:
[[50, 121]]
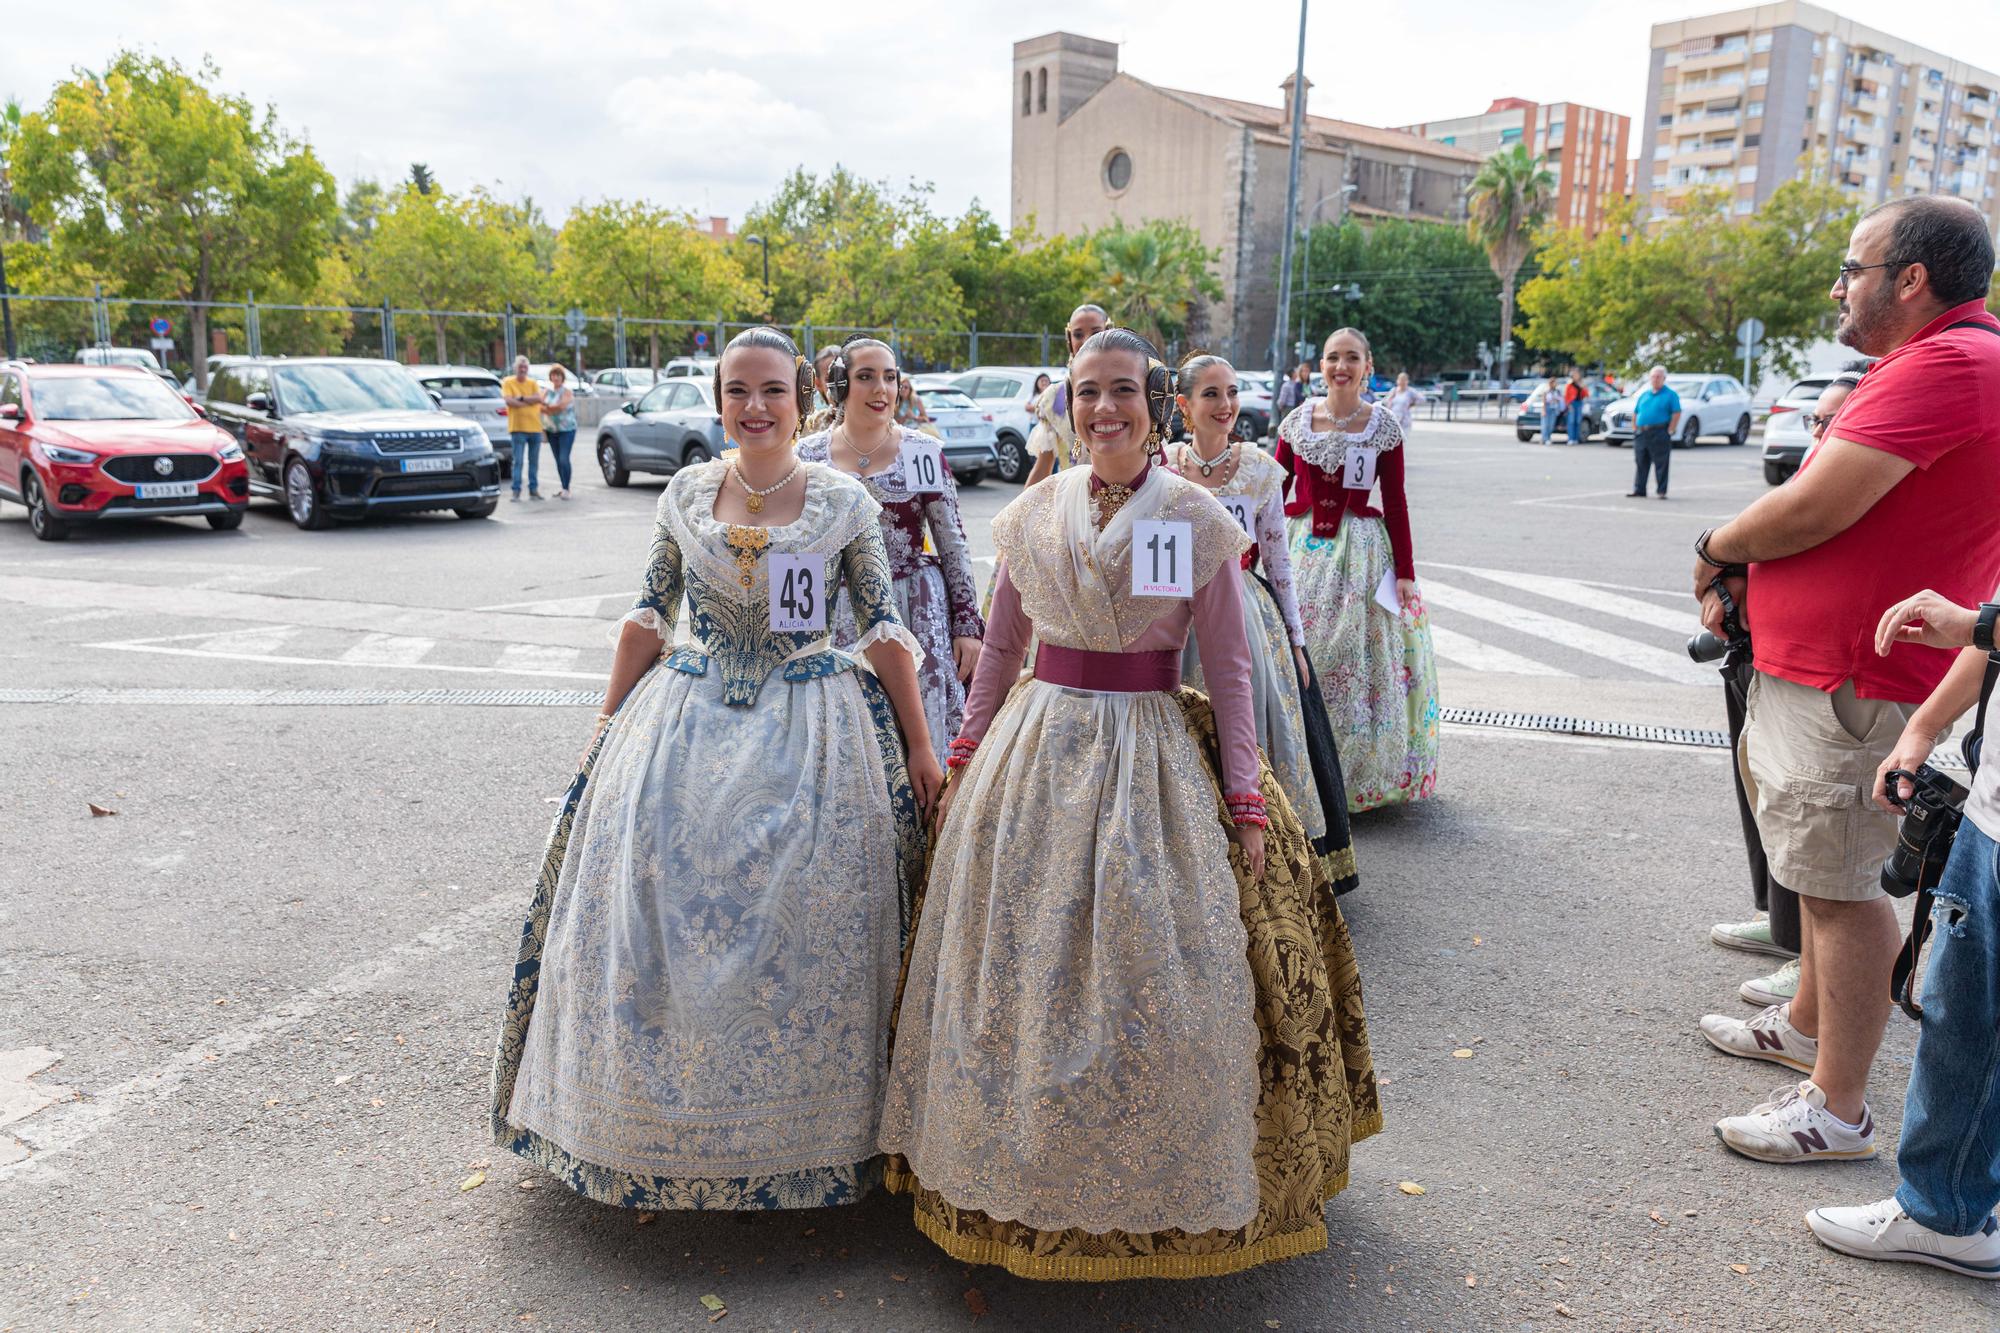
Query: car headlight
[[230, 453], [61, 454], [345, 445], [475, 439]]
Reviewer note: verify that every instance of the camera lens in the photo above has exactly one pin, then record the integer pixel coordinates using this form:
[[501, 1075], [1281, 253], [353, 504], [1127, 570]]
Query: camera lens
[[1705, 647]]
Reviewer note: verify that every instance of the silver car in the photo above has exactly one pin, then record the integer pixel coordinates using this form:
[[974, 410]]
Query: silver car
[[966, 431], [626, 382], [674, 426]]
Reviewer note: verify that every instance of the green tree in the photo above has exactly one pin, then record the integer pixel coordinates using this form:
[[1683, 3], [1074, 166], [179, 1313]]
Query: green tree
[[1677, 294], [1019, 282], [1505, 206], [421, 179], [363, 203], [438, 252], [171, 187], [1423, 291], [648, 262], [1155, 276]]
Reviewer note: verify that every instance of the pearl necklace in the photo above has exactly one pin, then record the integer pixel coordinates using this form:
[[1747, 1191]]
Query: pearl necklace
[[1207, 468], [753, 500]]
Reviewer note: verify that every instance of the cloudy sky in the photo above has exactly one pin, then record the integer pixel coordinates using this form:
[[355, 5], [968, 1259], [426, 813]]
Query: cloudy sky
[[706, 106]]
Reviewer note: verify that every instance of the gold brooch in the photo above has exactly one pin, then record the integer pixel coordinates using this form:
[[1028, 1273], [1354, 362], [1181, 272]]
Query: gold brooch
[[748, 543]]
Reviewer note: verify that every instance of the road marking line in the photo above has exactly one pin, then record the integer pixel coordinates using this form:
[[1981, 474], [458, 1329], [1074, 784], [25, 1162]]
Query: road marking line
[[64, 1127], [535, 657], [1601, 495], [1569, 634], [338, 662], [1466, 651], [1594, 583], [389, 650], [1577, 593], [586, 604], [261, 641]]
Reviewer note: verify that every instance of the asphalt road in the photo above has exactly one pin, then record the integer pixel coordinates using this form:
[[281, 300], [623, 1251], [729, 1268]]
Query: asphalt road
[[246, 1021]]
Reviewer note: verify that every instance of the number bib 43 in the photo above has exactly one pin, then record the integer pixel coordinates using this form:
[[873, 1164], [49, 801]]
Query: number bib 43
[[923, 468], [798, 592], [1162, 558]]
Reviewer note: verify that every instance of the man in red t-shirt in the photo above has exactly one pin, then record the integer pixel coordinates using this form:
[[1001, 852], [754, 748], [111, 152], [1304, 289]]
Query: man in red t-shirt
[[1898, 496]]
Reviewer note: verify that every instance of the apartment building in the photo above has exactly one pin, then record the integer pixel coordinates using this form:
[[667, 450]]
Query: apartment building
[[1749, 99], [1586, 150]]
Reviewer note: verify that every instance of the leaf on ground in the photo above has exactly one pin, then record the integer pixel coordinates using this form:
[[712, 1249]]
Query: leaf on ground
[[472, 1182], [1462, 1053], [712, 1302], [1471, 1279], [97, 811], [899, 1277], [1410, 1187], [529, 1185], [338, 1079], [975, 1301], [1658, 1220], [375, 1101], [646, 1219], [1272, 1323], [1739, 1268], [1564, 1310]]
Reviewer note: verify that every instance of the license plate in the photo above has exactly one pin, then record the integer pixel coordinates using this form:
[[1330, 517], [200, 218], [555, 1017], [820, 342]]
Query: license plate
[[961, 432], [165, 490], [426, 465]]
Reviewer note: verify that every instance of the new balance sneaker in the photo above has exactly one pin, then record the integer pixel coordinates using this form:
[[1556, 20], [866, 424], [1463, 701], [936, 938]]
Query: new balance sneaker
[[1778, 988], [1749, 937], [1798, 1128], [1768, 1036], [1884, 1231]]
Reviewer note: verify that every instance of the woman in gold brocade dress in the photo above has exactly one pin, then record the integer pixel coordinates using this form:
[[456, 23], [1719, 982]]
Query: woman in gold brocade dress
[[1130, 1042]]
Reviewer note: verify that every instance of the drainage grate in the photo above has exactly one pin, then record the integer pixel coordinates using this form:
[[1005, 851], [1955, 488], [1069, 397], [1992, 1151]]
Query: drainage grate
[[1583, 726], [308, 698]]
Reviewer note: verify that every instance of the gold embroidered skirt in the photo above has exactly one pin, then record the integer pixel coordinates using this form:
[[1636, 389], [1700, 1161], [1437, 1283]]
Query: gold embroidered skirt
[[1314, 1094]]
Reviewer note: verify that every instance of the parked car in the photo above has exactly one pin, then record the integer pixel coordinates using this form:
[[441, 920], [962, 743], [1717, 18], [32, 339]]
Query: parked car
[[674, 426], [136, 357], [193, 392], [1528, 422], [624, 381], [1786, 438], [1008, 393], [79, 444], [1254, 394], [472, 393], [1712, 405], [685, 367], [966, 430], [346, 437], [539, 373]]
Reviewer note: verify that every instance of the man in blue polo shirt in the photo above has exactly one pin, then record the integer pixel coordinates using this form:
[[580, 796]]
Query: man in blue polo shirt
[[1655, 414]]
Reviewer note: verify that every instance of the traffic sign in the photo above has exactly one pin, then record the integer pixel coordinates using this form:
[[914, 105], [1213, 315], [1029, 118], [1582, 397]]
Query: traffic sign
[[1749, 333], [163, 344], [577, 339], [576, 320], [162, 327], [700, 339]]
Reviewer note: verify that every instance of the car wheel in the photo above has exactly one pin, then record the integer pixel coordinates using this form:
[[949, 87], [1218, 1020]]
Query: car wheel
[[1013, 452], [1690, 434], [478, 510], [969, 477], [695, 453], [1741, 435], [611, 463], [1523, 436], [1777, 474], [228, 522], [302, 498], [42, 520]]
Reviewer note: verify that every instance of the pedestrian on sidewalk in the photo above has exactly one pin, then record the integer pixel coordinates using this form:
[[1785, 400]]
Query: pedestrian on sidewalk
[[523, 397], [1656, 415], [1292, 390], [1551, 408], [559, 424], [1403, 401], [1575, 395], [1911, 467], [1949, 1157]]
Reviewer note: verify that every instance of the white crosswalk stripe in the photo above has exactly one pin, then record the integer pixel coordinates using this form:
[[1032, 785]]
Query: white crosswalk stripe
[[1466, 651], [1591, 597], [1659, 663], [389, 650], [536, 658]]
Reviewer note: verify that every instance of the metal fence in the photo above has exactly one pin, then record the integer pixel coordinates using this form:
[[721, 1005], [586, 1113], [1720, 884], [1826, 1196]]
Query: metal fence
[[57, 327]]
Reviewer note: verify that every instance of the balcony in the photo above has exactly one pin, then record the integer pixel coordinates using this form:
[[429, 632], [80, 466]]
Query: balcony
[[1721, 120], [1875, 71], [1980, 107], [1868, 104], [1922, 151], [1686, 92], [1977, 136], [1714, 60], [1704, 157]]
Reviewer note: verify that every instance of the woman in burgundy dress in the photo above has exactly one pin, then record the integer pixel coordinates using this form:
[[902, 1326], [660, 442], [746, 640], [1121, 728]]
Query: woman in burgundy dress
[[933, 586]]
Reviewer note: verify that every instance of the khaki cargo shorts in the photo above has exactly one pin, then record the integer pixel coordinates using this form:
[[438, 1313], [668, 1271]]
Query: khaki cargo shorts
[[1808, 761]]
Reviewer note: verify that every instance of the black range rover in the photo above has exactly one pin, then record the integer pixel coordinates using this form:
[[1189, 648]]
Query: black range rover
[[341, 437]]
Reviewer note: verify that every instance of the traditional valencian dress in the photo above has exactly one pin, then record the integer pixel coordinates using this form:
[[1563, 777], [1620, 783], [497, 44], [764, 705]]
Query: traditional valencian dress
[[699, 1014], [1375, 665], [1303, 756], [935, 591], [1119, 1055]]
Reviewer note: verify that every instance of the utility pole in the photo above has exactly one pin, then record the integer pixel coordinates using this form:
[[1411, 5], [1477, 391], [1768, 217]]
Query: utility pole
[[765, 247], [6, 306], [1291, 200]]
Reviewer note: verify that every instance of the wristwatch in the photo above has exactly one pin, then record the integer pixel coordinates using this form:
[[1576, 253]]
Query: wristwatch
[[1982, 629]]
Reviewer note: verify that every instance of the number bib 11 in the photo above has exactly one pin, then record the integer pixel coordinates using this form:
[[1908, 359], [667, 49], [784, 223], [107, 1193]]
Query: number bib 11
[[1357, 473], [1162, 558], [923, 467], [1243, 509], [798, 592]]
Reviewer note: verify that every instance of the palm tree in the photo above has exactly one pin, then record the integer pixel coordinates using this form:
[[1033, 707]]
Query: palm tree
[[1505, 205], [1154, 276], [421, 178]]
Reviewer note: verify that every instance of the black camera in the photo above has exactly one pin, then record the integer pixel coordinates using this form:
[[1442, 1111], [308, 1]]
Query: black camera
[[1707, 647], [1930, 823]]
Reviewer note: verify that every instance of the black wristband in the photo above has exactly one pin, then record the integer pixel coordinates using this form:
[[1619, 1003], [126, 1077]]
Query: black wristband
[[1982, 629]]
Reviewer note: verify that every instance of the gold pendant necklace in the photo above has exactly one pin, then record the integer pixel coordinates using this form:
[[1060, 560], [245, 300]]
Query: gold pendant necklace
[[754, 500]]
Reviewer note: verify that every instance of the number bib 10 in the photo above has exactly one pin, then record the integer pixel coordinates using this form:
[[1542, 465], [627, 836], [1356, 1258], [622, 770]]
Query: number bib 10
[[923, 467], [1162, 558], [798, 592], [1243, 509], [1357, 473]]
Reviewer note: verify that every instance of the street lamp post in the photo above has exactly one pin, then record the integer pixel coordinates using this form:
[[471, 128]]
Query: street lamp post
[[763, 246], [1291, 198]]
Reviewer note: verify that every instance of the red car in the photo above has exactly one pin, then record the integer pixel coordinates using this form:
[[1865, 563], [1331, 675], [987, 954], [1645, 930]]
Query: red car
[[84, 443]]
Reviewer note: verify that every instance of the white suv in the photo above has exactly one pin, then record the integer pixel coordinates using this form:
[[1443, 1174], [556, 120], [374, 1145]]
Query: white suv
[[1711, 405], [1008, 393]]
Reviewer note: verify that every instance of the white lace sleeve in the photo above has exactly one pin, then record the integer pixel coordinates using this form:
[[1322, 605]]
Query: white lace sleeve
[[1276, 556]]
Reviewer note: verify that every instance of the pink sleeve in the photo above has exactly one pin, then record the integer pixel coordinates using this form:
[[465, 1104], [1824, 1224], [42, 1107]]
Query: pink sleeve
[[1225, 666], [1006, 647]]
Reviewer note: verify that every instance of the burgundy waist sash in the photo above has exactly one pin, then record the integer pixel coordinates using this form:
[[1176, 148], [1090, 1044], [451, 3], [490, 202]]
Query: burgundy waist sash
[[1116, 673]]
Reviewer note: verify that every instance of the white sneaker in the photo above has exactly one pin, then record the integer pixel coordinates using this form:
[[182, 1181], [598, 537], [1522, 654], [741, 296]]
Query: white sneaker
[[1749, 936], [1798, 1128], [1778, 988], [1768, 1036], [1884, 1231]]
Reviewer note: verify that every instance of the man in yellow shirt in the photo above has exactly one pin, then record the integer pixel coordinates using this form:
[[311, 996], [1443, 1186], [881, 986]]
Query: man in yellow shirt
[[524, 424]]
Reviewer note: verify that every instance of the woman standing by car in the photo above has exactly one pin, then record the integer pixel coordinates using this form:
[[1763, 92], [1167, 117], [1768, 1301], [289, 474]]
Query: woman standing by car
[[559, 424], [1251, 486], [910, 409], [1131, 1042], [932, 583], [699, 1013], [1365, 625]]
